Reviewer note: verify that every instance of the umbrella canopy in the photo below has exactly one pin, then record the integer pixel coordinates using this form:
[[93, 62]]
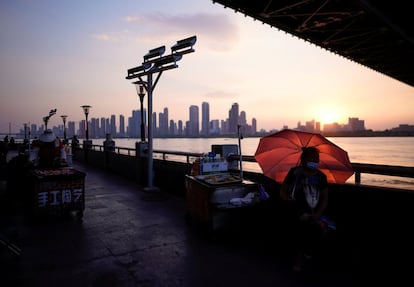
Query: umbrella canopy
[[277, 153]]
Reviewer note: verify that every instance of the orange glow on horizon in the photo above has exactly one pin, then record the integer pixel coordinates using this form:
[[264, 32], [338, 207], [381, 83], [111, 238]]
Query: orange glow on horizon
[[330, 115]]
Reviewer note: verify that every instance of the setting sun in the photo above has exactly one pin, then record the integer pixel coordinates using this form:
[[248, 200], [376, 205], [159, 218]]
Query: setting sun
[[329, 115]]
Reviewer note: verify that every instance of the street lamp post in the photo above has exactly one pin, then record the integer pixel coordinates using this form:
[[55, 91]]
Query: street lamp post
[[27, 137], [64, 117], [86, 111], [46, 118], [240, 137], [140, 90], [86, 143], [25, 131], [155, 63]]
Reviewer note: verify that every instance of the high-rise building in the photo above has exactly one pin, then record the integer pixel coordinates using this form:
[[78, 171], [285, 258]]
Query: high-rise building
[[82, 128], [163, 123], [134, 124], [187, 128], [254, 126], [193, 129], [180, 128], [107, 128], [33, 130], [215, 127], [113, 125], [172, 128], [70, 131], [103, 127], [224, 126], [93, 128], [310, 126], [317, 127], [242, 118], [233, 118], [355, 124], [121, 125], [205, 119]]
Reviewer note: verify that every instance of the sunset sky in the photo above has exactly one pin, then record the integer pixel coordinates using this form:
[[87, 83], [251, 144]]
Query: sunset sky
[[63, 54]]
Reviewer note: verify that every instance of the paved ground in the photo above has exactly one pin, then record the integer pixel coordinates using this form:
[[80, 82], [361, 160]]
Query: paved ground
[[128, 238]]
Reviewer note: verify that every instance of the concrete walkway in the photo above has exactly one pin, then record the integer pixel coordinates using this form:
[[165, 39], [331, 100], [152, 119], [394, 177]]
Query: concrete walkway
[[128, 238]]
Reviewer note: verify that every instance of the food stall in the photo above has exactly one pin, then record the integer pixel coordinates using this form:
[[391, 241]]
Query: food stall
[[216, 194], [53, 187], [57, 191]]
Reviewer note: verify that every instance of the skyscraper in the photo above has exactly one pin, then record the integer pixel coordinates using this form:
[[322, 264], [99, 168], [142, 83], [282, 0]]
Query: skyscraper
[[242, 118], [254, 126], [113, 125], [193, 130], [205, 119], [163, 123], [134, 124], [180, 128], [102, 128], [233, 118], [121, 125]]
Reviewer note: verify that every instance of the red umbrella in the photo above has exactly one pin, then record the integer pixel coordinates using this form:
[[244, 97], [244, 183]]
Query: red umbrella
[[278, 152]]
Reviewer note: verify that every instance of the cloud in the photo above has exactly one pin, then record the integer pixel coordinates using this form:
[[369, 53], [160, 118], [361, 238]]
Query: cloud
[[218, 32], [106, 37], [220, 95], [131, 19]]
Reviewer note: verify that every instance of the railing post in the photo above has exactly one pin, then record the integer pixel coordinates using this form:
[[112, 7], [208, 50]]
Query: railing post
[[357, 177]]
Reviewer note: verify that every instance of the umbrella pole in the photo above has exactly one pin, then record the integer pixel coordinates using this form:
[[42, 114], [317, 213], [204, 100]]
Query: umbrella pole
[[239, 135]]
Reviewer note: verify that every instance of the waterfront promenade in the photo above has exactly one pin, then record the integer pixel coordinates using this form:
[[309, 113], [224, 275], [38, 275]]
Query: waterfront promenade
[[129, 238]]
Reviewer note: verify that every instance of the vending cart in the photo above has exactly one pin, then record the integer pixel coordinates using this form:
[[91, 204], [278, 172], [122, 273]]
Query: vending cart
[[57, 191], [214, 200]]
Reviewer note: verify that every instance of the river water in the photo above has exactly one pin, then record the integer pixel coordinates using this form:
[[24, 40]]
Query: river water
[[372, 150]]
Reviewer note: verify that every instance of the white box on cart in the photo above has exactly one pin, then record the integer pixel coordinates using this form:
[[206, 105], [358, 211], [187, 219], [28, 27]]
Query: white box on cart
[[214, 166]]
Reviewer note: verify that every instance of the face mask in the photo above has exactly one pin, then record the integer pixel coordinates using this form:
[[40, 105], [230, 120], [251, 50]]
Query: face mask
[[312, 165]]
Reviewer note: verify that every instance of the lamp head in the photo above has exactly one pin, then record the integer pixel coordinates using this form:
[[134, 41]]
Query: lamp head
[[154, 53], [52, 112], [137, 71], [86, 109], [169, 61], [184, 46], [140, 86]]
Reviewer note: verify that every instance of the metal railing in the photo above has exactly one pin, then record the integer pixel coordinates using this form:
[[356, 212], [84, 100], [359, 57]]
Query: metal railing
[[189, 157]]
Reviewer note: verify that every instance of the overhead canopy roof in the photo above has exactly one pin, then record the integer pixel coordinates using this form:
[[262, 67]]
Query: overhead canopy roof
[[376, 34]]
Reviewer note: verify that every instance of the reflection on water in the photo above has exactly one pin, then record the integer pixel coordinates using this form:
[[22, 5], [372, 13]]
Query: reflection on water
[[379, 150]]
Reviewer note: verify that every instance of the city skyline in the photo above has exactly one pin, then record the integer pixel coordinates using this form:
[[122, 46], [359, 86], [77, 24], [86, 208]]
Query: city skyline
[[80, 53], [129, 126]]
